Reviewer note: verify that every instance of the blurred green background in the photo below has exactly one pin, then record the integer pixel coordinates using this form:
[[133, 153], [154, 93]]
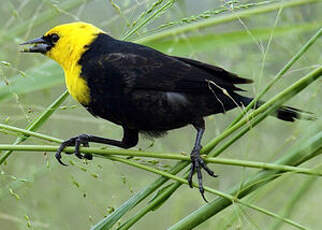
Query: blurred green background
[[38, 193]]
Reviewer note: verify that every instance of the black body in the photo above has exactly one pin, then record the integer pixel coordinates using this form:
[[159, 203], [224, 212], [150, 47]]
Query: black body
[[142, 89], [146, 91]]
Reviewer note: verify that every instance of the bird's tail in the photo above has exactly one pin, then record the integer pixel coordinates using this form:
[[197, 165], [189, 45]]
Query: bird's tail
[[285, 113]]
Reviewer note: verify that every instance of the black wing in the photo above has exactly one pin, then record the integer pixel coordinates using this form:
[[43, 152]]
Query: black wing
[[141, 67]]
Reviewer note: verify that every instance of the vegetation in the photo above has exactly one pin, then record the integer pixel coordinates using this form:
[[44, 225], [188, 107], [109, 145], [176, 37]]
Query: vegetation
[[268, 169]]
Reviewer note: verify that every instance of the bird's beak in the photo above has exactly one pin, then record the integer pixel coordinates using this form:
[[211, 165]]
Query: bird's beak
[[40, 45]]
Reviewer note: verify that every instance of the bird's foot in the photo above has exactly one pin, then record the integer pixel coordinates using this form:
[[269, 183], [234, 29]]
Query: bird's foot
[[77, 141], [197, 163]]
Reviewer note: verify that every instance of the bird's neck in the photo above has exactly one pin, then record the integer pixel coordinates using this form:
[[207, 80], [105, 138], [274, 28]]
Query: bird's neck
[[69, 61]]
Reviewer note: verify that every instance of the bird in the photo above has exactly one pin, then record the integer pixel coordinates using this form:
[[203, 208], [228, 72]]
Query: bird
[[141, 89]]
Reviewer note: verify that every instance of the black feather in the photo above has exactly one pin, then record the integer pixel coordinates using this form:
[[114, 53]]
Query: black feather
[[129, 85]]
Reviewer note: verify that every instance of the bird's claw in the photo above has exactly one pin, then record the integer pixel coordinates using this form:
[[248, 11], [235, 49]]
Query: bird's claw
[[58, 157], [82, 139], [197, 163]]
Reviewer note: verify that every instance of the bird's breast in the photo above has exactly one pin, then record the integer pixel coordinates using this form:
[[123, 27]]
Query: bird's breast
[[76, 85]]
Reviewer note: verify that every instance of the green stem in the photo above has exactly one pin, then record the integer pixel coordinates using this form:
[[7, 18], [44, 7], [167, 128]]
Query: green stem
[[28, 133], [106, 153], [164, 7], [224, 18]]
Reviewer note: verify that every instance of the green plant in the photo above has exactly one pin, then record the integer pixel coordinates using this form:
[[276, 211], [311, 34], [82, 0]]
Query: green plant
[[189, 34]]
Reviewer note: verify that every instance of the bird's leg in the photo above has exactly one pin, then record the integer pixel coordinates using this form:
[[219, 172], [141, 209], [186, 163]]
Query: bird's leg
[[196, 161], [130, 139]]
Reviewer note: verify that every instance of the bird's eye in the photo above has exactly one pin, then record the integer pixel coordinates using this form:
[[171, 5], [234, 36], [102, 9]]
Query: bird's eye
[[54, 38]]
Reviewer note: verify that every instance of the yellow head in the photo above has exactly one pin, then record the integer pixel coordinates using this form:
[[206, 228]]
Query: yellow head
[[65, 43]]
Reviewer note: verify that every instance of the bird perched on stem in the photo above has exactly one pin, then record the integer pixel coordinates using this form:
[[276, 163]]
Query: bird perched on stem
[[140, 88]]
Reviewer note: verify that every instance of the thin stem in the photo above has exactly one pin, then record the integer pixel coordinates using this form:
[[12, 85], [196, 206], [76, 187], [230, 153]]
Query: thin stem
[[28, 133], [106, 153], [223, 19], [164, 7]]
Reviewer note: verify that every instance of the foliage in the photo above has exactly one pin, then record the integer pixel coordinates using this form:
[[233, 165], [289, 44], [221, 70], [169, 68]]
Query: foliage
[[269, 176]]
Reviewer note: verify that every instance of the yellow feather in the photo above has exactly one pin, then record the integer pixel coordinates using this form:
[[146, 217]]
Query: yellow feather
[[73, 41]]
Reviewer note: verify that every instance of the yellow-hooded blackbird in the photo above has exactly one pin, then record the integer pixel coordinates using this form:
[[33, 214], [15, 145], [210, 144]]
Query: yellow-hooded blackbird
[[140, 88]]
